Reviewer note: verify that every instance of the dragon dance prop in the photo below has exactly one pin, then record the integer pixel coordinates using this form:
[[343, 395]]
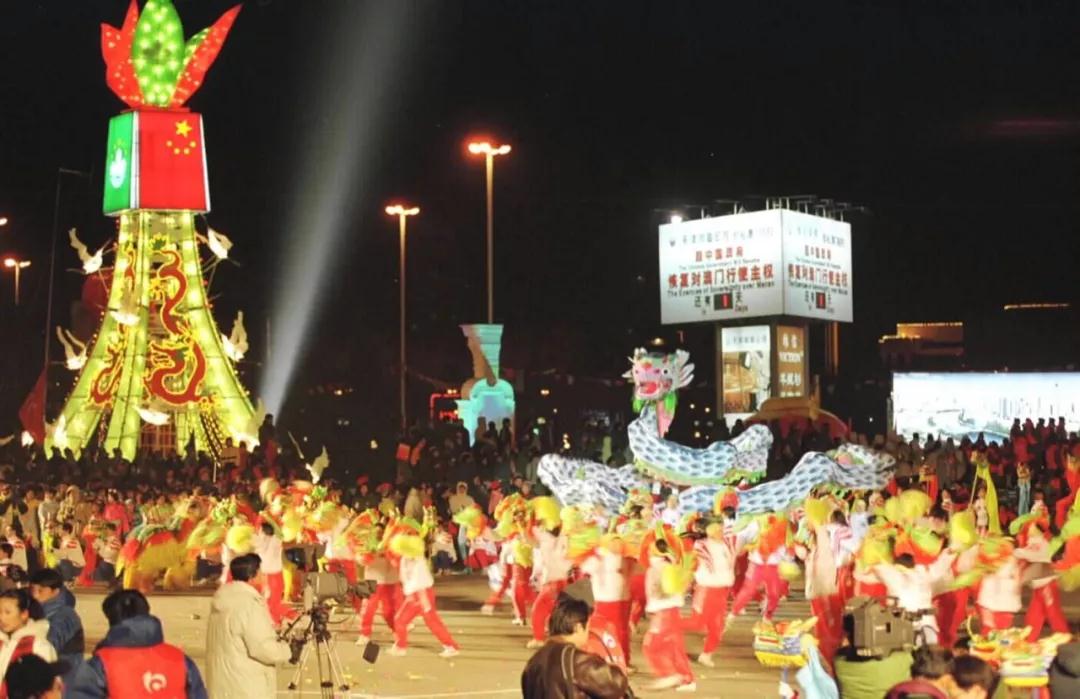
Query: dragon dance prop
[[157, 356], [1021, 663], [705, 472]]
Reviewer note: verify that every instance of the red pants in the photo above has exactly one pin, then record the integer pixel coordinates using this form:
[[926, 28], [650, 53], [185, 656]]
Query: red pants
[[1045, 606], [710, 615], [497, 595], [951, 609], [347, 568], [664, 648], [421, 603], [523, 594], [994, 621], [757, 575], [830, 624], [545, 602], [845, 584], [617, 616], [637, 598], [480, 559], [387, 596], [274, 591]]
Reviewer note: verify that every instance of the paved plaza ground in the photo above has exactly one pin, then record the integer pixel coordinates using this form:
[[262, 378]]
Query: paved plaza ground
[[493, 651]]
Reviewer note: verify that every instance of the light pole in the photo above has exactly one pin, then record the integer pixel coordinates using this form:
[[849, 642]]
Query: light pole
[[403, 213], [18, 266], [489, 151]]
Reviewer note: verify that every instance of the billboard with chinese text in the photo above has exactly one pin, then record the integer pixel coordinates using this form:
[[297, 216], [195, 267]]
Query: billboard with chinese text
[[747, 365], [750, 265], [967, 404], [791, 361]]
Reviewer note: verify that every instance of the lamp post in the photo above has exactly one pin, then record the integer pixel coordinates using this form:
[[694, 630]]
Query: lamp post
[[403, 213], [489, 152], [18, 266]]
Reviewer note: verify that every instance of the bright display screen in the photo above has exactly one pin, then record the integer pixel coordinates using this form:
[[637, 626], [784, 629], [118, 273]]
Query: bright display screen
[[966, 404]]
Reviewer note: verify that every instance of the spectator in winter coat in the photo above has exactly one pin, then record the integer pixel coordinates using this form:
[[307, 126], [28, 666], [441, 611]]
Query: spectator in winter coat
[[22, 630], [65, 626], [30, 677], [242, 649], [1065, 671], [134, 653]]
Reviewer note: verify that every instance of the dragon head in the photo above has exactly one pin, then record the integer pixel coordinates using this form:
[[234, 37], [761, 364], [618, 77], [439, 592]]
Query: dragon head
[[655, 376], [656, 379]]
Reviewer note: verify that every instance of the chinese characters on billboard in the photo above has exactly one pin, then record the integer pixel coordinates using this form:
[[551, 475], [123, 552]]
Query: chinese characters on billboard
[[791, 361], [747, 375], [764, 263]]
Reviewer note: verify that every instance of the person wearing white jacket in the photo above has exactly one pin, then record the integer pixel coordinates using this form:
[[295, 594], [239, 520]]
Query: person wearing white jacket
[[20, 632], [713, 578], [242, 649], [608, 572]]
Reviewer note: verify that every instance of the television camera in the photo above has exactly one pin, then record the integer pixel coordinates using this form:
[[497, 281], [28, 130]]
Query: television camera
[[320, 589]]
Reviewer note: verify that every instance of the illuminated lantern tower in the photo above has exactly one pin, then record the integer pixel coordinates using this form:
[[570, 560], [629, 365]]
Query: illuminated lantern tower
[[159, 372]]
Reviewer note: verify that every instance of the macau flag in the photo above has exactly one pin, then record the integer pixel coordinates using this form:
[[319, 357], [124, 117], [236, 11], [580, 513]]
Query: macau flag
[[156, 160]]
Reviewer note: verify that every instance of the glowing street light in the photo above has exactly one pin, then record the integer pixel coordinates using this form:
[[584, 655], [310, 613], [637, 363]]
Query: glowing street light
[[403, 213], [3, 220], [18, 266], [489, 152]]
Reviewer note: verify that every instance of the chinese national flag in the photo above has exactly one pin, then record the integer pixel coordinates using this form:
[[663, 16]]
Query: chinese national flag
[[32, 412], [172, 162]]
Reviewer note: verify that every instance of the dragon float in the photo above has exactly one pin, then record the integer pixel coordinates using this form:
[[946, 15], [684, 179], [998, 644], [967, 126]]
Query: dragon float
[[702, 473]]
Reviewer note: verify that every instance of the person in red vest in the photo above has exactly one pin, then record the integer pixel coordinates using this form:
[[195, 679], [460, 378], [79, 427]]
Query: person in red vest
[[133, 659], [23, 631]]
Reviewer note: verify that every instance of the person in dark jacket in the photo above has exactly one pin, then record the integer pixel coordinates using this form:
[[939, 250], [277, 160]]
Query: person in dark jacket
[[560, 669], [65, 626], [1065, 671], [133, 660]]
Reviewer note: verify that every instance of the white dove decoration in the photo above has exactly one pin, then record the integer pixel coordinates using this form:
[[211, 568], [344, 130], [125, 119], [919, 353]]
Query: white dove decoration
[[236, 344], [152, 416], [74, 349], [250, 434], [90, 263], [26, 439], [128, 311], [58, 432], [218, 243], [316, 467]]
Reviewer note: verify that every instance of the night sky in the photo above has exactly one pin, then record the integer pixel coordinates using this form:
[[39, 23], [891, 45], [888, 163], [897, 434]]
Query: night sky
[[956, 125]]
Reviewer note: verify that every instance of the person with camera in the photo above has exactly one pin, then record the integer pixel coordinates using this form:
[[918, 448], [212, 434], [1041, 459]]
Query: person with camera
[[242, 649], [133, 659], [562, 669]]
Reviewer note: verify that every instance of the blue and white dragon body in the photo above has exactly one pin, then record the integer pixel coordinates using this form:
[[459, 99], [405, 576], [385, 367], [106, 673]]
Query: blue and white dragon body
[[702, 472]]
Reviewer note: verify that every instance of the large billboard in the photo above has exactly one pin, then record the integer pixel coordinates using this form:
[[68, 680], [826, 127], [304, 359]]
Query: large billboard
[[747, 362], [764, 263], [967, 404]]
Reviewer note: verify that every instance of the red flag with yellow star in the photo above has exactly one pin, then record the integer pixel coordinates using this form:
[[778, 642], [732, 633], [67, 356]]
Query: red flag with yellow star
[[171, 162]]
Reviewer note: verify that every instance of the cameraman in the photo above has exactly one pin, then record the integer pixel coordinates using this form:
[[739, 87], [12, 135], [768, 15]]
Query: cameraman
[[242, 650]]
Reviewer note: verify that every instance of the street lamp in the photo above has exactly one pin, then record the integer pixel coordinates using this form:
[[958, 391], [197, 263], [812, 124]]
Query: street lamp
[[18, 266], [3, 220], [489, 152], [403, 213]]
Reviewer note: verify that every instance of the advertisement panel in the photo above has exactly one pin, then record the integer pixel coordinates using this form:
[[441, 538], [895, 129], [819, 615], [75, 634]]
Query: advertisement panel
[[791, 361], [758, 264], [745, 353], [965, 405], [817, 267], [723, 268]]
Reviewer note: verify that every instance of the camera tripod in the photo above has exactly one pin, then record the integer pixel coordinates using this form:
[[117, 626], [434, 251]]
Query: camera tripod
[[317, 635]]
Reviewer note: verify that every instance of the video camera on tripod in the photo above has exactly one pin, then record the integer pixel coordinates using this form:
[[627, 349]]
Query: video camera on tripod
[[319, 590]]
